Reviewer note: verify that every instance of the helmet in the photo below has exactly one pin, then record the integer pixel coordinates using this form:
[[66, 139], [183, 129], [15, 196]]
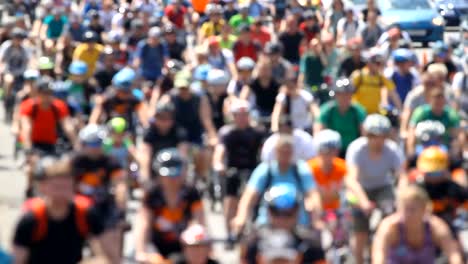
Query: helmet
[[429, 130], [432, 159], [168, 163], [440, 49], [78, 68], [92, 135], [114, 37], [273, 48], [174, 66], [123, 79], [245, 64], [18, 33], [402, 55], [238, 105], [117, 125], [90, 36], [217, 77], [327, 140], [39, 169], [195, 234], [201, 72], [377, 124], [375, 56], [45, 63], [343, 84], [45, 84], [31, 75], [282, 197], [164, 108]]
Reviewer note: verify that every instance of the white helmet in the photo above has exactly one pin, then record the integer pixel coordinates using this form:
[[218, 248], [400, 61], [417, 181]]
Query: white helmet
[[245, 64], [217, 77], [327, 139], [429, 129], [377, 124]]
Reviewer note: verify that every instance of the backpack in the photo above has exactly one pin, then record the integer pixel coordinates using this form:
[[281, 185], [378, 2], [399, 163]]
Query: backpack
[[346, 25], [360, 80], [269, 180], [53, 107], [38, 208]]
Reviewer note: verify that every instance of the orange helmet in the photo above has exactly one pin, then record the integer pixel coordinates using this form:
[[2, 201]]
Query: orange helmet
[[433, 159]]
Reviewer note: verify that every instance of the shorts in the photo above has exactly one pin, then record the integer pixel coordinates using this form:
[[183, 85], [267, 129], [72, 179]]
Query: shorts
[[110, 215], [380, 196], [44, 149], [234, 180]]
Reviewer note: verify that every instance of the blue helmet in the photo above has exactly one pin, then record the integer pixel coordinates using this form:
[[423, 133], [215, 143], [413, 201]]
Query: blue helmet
[[201, 72], [402, 55], [282, 197], [78, 68], [123, 79]]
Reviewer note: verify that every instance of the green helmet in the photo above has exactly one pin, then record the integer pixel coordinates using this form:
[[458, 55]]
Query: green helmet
[[46, 63], [117, 125]]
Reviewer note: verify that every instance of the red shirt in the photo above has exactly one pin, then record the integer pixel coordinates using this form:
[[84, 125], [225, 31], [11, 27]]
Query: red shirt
[[176, 16], [261, 37], [44, 123], [241, 49]]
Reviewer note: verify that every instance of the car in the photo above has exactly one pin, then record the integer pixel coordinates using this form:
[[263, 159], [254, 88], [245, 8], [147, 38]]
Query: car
[[417, 17], [453, 11]]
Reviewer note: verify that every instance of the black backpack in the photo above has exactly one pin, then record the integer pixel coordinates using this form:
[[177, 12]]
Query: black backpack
[[269, 180]]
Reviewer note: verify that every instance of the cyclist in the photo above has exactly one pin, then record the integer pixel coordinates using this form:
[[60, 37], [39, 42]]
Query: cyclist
[[162, 133], [46, 66], [89, 51], [118, 144], [273, 52], [329, 171], [245, 66], [78, 89], [281, 239], [54, 227], [412, 234], [236, 153], [402, 74], [96, 174], [372, 88], [29, 90], [169, 207], [216, 94], [341, 114], [282, 170], [121, 102], [196, 244], [373, 160], [39, 118]]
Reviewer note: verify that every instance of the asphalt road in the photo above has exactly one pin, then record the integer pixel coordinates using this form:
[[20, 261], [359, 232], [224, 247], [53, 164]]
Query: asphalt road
[[12, 185]]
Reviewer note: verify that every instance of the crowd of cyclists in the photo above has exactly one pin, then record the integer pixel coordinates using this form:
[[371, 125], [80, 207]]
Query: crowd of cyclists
[[299, 119]]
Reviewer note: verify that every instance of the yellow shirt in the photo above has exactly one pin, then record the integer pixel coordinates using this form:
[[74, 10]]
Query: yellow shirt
[[209, 29], [89, 56], [369, 89]]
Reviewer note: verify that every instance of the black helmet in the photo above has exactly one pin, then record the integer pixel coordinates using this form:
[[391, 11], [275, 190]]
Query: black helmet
[[18, 33], [90, 36], [273, 48], [45, 84], [343, 85], [168, 163], [165, 108]]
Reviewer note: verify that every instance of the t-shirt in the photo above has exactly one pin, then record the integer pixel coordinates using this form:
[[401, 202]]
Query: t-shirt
[[237, 21], [242, 49], [349, 29], [158, 141], [329, 184], [299, 108], [242, 146], [43, 129], [312, 68], [168, 223], [291, 44], [404, 83], [368, 89], [309, 32], [374, 173], [265, 97], [258, 180], [15, 59], [209, 28], [94, 176], [63, 242], [304, 148], [55, 26], [176, 16], [262, 37], [349, 65], [227, 43], [460, 83], [89, 56], [449, 118], [151, 59], [347, 124]]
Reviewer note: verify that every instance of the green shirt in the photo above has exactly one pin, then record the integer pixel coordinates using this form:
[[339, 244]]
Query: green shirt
[[346, 124], [311, 66], [237, 20], [228, 43], [449, 118]]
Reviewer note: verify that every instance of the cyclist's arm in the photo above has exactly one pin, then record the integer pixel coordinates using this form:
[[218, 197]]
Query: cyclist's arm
[[245, 92], [97, 110], [146, 152], [382, 241], [143, 114], [246, 203], [352, 183], [26, 128], [410, 140], [275, 115], [119, 177], [20, 255], [444, 239], [405, 116], [67, 125], [205, 116], [218, 158]]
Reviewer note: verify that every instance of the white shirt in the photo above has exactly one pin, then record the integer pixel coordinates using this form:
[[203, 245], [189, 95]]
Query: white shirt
[[300, 108], [304, 148], [352, 29]]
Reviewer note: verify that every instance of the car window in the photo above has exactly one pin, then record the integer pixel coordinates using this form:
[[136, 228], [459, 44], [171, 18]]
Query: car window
[[405, 4]]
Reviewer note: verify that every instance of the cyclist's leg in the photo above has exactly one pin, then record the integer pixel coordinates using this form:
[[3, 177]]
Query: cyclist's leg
[[8, 80], [232, 185]]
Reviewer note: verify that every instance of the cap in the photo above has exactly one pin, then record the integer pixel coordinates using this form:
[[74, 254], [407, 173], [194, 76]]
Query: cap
[[276, 244], [440, 49], [39, 170], [31, 74], [213, 41], [343, 85], [169, 29], [154, 32], [168, 163], [174, 66], [244, 29], [114, 37], [377, 124], [402, 55], [182, 79], [245, 63], [327, 139], [283, 196], [195, 234]]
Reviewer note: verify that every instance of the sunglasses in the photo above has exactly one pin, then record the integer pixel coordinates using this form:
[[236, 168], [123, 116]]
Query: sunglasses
[[96, 144], [434, 174], [283, 213]]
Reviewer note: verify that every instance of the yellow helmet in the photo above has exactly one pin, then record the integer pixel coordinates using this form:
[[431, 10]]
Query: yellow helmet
[[433, 159]]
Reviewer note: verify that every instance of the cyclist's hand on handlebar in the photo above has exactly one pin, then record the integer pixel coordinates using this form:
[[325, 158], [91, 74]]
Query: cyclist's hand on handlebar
[[367, 207], [237, 225], [212, 141]]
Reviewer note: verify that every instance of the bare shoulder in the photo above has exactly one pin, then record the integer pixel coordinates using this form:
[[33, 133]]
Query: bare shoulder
[[388, 228]]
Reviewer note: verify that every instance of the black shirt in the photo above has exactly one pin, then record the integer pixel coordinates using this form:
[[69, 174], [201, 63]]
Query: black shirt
[[115, 106], [291, 43], [104, 78], [176, 50], [242, 146], [217, 109], [63, 243], [265, 96], [307, 243], [349, 65], [158, 141]]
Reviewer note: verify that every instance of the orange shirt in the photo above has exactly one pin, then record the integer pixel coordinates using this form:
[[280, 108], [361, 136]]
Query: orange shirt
[[199, 5], [329, 184]]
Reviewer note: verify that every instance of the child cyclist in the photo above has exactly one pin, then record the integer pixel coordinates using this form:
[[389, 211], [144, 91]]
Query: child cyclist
[[118, 144]]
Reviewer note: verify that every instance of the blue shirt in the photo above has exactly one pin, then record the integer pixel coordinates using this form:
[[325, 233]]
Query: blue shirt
[[258, 179], [151, 58], [403, 83]]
